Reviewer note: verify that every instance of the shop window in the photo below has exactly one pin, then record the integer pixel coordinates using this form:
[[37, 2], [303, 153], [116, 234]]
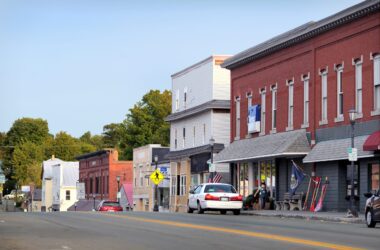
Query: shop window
[[356, 180], [267, 174], [195, 178], [243, 180], [174, 186], [374, 177], [67, 195], [183, 185]]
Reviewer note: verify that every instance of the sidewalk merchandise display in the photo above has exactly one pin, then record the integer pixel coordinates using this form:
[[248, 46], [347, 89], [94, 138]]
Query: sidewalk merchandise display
[[317, 184], [319, 206], [307, 195]]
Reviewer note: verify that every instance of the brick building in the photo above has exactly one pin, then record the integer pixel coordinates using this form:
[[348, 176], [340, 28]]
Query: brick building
[[302, 84], [99, 171]]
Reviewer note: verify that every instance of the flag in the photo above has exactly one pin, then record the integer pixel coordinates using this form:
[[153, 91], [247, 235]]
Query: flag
[[296, 178], [217, 178]]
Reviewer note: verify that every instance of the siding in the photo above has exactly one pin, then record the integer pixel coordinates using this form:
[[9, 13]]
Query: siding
[[222, 80], [221, 127]]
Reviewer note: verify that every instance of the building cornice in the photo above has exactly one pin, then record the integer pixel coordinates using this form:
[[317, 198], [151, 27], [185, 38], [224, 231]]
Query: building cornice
[[303, 33]]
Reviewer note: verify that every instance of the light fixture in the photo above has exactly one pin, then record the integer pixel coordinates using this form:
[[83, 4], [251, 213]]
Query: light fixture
[[156, 158], [352, 115], [212, 141]]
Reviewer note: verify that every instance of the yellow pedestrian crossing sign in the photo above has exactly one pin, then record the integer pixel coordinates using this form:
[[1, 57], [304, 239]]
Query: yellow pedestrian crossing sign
[[157, 176]]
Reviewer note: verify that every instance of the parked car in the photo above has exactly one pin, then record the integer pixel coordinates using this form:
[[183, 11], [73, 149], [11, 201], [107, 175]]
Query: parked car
[[12, 195], [215, 197], [109, 206], [372, 208]]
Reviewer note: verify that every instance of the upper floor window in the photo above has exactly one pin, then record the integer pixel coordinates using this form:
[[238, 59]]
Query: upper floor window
[[204, 134], [376, 84], [274, 107], [194, 136], [185, 97], [177, 100], [237, 123], [339, 87], [183, 137], [262, 125], [290, 84], [323, 74], [175, 139], [249, 101], [305, 80], [358, 63]]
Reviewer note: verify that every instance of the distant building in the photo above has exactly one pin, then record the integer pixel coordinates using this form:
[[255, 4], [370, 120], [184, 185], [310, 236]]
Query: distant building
[[47, 189], [35, 198], [200, 111], [99, 171], [126, 196], [143, 167]]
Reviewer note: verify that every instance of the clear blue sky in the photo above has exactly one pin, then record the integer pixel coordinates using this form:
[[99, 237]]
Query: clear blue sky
[[82, 64]]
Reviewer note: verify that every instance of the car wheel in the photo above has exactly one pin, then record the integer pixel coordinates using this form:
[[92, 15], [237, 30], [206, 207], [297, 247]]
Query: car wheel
[[369, 218], [189, 209], [223, 211], [199, 208], [237, 212]]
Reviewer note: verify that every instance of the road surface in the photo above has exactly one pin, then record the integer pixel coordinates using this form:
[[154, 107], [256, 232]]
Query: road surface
[[137, 230]]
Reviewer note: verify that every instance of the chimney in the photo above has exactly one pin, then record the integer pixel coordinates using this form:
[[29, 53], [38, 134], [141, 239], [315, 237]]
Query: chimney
[[53, 157]]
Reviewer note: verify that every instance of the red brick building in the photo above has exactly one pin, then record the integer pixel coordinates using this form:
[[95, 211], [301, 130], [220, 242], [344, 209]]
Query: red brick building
[[99, 171], [303, 83]]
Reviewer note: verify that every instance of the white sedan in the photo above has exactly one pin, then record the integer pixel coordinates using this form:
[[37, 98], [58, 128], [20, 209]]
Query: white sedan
[[215, 197]]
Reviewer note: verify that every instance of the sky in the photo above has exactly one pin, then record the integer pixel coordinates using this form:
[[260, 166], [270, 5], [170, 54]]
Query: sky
[[82, 64]]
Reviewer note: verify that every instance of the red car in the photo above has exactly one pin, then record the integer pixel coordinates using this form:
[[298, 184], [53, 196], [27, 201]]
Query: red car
[[109, 206]]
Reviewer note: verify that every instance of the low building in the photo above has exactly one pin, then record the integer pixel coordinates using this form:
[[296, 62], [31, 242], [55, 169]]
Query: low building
[[103, 174], [143, 167]]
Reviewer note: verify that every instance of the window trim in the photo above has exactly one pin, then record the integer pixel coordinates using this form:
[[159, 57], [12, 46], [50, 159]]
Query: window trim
[[375, 57], [263, 92], [290, 84], [237, 117], [274, 90], [324, 110], [339, 68], [306, 100], [249, 104]]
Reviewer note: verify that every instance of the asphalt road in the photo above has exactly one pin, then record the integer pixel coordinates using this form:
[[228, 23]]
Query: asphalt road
[[134, 230]]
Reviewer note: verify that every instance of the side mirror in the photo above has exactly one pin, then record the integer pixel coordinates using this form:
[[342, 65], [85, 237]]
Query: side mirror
[[368, 195], [191, 191]]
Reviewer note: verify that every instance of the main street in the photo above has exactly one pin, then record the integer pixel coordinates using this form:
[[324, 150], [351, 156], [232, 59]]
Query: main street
[[134, 230]]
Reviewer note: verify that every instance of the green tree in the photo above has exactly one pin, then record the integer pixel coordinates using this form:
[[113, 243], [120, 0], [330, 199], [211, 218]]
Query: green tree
[[27, 129], [26, 160], [145, 122], [94, 140]]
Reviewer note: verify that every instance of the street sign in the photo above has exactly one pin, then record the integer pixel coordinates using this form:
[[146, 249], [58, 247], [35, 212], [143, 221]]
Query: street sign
[[211, 167], [118, 195], [157, 176], [2, 179], [352, 154], [81, 194]]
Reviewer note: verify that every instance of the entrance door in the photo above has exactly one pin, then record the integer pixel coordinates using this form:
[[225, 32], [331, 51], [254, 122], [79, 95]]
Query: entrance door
[[267, 175]]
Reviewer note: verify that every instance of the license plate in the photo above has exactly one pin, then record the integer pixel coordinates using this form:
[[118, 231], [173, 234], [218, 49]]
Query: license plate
[[224, 198]]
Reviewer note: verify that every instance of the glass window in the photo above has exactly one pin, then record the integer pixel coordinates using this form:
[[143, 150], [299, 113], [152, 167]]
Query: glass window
[[263, 112], [183, 185], [267, 174], [67, 195], [237, 110], [374, 177], [243, 182], [274, 107], [290, 108], [194, 180], [376, 81], [358, 86], [215, 188], [339, 92], [324, 95], [306, 102], [174, 186], [198, 189]]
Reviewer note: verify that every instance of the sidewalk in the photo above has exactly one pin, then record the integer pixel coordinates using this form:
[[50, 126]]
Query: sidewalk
[[306, 215]]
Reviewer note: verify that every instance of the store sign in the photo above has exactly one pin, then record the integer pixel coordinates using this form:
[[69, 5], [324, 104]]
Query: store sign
[[352, 154], [211, 167], [254, 118], [81, 194]]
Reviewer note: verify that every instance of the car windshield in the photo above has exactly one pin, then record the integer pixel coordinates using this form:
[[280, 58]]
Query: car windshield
[[219, 189], [110, 204]]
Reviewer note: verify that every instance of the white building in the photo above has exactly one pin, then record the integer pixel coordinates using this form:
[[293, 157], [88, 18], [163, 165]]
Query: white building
[[200, 111]]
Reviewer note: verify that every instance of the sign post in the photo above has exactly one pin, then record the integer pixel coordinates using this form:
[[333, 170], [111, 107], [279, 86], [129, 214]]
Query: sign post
[[352, 154]]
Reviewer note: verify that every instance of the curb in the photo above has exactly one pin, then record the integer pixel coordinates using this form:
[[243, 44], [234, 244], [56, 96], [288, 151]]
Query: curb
[[312, 217]]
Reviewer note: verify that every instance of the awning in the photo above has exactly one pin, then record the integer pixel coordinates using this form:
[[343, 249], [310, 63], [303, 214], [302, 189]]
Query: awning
[[334, 150], [292, 143], [189, 152], [128, 190], [373, 142]]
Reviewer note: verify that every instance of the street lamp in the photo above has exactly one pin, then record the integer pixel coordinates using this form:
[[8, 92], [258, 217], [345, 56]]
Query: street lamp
[[118, 187], [352, 209], [212, 142], [155, 208]]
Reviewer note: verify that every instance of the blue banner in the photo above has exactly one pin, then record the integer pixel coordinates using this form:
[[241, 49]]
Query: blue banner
[[296, 178]]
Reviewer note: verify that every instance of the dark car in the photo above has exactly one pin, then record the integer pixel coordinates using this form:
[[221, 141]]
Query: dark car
[[372, 208], [109, 206]]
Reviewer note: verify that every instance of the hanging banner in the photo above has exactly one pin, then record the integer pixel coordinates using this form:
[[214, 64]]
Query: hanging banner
[[254, 118]]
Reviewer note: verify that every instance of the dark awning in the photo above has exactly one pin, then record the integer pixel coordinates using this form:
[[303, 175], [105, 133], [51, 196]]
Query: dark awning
[[286, 144], [373, 142], [335, 150], [187, 153]]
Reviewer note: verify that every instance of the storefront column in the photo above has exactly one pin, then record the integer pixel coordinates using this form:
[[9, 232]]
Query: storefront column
[[251, 181]]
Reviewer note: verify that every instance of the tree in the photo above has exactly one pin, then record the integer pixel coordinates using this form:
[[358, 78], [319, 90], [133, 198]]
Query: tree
[[26, 160], [145, 122], [27, 129], [94, 140]]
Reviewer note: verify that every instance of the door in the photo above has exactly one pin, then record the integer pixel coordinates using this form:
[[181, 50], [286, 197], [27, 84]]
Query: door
[[194, 197]]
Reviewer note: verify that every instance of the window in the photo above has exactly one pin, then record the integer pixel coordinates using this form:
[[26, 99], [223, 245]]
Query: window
[[204, 134], [177, 100], [376, 83], [249, 101], [184, 97], [183, 185], [91, 187], [135, 182], [67, 195], [324, 97], [358, 86], [148, 182], [141, 177], [237, 123], [274, 107], [194, 136], [174, 186], [175, 139], [183, 137], [194, 180], [262, 93], [306, 101], [97, 185], [290, 104], [339, 87]]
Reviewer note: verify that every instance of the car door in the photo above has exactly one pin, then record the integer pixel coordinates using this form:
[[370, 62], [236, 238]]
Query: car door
[[197, 191], [192, 198], [376, 206]]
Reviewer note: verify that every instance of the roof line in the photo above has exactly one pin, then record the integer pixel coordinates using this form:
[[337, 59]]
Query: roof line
[[262, 156]]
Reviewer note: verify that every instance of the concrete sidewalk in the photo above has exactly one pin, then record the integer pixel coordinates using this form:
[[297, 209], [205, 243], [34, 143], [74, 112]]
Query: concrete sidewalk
[[306, 215]]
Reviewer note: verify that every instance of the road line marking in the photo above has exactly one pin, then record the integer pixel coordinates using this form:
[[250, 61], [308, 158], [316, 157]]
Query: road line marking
[[267, 236]]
